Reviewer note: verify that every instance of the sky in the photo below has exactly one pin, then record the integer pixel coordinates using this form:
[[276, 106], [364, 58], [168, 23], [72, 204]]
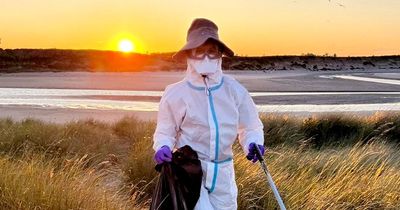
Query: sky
[[248, 27]]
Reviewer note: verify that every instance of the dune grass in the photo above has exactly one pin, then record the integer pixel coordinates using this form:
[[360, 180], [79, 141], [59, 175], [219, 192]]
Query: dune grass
[[37, 182], [320, 162], [354, 177]]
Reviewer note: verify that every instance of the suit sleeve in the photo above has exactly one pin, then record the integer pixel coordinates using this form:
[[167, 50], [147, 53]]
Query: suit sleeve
[[250, 127], [167, 127]]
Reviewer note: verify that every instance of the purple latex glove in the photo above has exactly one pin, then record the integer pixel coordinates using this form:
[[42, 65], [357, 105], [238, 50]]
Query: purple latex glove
[[252, 152], [164, 154]]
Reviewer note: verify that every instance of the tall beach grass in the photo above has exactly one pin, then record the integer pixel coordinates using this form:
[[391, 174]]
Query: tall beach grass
[[319, 162]]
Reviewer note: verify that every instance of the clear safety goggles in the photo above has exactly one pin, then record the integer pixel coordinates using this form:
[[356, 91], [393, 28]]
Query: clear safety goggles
[[200, 54]]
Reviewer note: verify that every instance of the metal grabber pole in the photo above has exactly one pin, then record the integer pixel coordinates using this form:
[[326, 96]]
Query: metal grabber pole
[[270, 181]]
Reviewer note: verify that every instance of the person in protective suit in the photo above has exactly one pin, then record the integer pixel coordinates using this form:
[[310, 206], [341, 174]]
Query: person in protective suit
[[208, 111]]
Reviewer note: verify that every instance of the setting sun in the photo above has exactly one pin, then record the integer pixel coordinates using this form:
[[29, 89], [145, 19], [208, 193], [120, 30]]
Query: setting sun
[[126, 46]]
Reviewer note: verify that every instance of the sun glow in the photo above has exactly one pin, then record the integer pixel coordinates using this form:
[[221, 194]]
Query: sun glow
[[126, 45]]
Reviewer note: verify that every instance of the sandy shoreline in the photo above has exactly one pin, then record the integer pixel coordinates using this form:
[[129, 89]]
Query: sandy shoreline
[[255, 81], [61, 115], [295, 80]]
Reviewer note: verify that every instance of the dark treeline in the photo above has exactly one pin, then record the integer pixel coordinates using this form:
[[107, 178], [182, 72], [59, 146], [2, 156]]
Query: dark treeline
[[25, 60]]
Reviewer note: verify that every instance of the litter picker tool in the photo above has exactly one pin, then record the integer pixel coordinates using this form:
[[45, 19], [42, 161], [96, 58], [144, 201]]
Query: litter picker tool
[[270, 181]]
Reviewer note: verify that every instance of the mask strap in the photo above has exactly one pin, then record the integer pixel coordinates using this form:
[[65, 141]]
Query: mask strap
[[207, 89]]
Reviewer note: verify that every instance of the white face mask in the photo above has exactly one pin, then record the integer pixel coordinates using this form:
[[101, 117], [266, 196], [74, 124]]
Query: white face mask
[[205, 66]]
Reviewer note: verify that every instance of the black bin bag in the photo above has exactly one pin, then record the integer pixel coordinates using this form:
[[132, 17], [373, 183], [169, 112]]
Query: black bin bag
[[178, 186]]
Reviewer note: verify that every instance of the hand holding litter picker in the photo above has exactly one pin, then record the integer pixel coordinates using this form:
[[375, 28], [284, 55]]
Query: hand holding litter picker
[[270, 181]]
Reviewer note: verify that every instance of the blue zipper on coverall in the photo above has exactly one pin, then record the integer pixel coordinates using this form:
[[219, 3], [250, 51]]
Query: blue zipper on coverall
[[214, 180], [216, 162]]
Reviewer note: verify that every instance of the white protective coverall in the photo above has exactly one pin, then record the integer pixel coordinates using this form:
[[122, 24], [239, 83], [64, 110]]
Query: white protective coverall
[[209, 123]]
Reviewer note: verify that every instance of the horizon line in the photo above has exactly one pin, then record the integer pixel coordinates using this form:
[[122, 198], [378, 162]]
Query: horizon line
[[308, 54]]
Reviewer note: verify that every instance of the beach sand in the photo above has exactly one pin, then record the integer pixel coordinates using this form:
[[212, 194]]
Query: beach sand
[[254, 81]]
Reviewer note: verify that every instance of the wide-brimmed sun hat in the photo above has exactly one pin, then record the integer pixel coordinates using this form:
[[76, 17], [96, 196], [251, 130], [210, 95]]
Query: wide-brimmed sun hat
[[199, 32]]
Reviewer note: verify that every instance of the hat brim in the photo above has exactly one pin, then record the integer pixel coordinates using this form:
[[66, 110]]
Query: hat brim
[[181, 54]]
